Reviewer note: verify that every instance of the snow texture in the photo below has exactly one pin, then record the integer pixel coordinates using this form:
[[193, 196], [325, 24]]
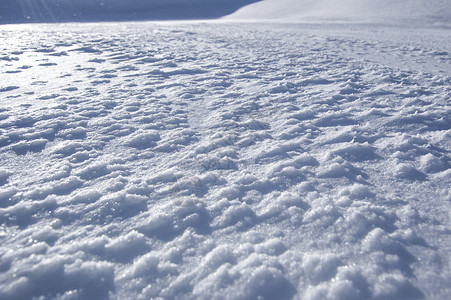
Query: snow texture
[[220, 160]]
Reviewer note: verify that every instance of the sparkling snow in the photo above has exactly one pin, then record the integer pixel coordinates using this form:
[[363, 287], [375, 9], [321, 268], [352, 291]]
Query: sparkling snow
[[213, 160]]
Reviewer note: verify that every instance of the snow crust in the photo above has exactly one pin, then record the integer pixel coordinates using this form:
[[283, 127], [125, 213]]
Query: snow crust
[[224, 161]]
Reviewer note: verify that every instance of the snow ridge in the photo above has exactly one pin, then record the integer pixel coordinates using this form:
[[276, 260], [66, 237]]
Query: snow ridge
[[413, 12]]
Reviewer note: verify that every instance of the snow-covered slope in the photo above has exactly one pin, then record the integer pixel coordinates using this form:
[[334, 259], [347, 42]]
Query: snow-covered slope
[[423, 11], [23, 11], [224, 161]]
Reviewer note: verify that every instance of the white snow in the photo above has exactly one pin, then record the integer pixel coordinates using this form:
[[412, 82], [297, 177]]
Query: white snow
[[420, 12], [227, 160]]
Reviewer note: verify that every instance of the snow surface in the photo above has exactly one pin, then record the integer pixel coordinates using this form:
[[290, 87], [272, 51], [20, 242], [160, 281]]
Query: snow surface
[[382, 11], [221, 160]]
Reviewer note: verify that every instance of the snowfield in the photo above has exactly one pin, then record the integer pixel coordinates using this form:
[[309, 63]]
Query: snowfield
[[363, 11], [220, 160]]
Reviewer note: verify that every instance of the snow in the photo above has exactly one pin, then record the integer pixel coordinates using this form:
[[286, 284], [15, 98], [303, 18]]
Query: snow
[[420, 12], [228, 159]]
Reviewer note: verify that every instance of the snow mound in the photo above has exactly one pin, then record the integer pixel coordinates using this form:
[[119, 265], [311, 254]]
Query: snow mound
[[435, 11]]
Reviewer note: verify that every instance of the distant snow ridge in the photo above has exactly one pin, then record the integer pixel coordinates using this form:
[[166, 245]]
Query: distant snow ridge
[[425, 11]]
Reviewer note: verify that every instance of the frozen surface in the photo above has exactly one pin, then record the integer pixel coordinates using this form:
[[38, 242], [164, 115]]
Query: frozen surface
[[424, 12], [224, 161]]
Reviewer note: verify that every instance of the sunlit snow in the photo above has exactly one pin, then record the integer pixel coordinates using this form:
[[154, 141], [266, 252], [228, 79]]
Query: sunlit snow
[[418, 12], [225, 160]]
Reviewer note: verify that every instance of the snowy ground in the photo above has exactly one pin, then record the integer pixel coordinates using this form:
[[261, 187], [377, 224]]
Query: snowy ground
[[424, 12], [224, 161]]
